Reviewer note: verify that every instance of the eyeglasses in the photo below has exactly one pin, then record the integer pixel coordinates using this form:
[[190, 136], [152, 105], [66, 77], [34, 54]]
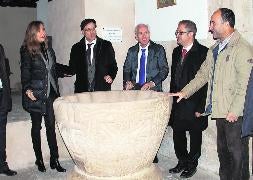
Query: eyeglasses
[[90, 30], [181, 32]]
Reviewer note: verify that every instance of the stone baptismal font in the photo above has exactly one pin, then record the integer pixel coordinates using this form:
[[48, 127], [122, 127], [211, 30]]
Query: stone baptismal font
[[114, 134]]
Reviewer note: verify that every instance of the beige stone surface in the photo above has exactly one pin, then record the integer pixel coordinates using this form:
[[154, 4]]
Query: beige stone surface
[[150, 173], [20, 153], [19, 147], [113, 134]]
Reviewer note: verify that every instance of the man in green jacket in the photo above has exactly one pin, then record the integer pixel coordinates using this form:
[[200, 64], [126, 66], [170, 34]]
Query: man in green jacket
[[226, 70]]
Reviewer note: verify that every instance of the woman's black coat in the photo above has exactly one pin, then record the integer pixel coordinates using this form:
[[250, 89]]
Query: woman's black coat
[[34, 76]]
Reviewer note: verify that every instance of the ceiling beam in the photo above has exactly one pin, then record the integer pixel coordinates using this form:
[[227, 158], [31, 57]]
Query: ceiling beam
[[19, 3]]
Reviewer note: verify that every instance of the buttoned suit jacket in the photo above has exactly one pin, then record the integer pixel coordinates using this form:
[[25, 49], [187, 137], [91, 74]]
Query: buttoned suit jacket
[[183, 113], [156, 68]]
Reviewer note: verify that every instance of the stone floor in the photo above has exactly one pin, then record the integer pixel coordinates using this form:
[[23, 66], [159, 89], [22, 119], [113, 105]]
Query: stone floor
[[31, 173], [164, 164]]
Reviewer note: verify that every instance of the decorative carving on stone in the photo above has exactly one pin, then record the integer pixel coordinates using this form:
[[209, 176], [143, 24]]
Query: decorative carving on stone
[[113, 134]]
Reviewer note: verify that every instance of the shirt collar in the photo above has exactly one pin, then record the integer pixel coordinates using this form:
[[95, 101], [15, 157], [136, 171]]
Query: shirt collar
[[188, 47], [225, 41], [144, 47], [87, 42]]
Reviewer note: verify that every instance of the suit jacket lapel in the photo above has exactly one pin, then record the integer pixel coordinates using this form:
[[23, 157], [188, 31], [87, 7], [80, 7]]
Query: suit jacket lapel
[[1, 65], [2, 62], [97, 48], [151, 54], [192, 50], [135, 61], [46, 62], [82, 50]]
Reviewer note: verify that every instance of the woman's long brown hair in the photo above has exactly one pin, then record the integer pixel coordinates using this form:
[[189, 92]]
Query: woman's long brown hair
[[30, 41]]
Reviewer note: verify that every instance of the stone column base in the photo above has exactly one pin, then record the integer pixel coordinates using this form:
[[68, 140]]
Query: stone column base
[[151, 173]]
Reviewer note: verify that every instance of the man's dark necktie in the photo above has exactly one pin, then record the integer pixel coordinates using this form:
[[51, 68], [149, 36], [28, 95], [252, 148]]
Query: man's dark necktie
[[184, 52], [142, 67], [88, 53]]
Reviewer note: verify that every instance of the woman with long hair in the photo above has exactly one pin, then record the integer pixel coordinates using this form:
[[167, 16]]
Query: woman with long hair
[[39, 73]]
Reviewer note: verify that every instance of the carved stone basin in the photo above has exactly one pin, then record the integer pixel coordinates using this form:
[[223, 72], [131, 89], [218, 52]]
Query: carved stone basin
[[113, 134]]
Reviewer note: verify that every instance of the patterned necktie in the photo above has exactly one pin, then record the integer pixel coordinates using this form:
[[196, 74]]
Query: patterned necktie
[[142, 67], [88, 53], [184, 52]]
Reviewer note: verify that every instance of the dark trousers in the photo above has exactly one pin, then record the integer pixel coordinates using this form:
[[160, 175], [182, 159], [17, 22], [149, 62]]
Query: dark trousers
[[180, 145], [3, 122], [49, 120], [233, 151]]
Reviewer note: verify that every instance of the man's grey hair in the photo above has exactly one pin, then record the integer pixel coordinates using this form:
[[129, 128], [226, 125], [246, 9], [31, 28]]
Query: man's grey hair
[[138, 26], [190, 26]]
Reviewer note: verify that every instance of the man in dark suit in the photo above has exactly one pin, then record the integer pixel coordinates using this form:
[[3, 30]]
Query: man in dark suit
[[247, 123], [5, 107], [92, 60], [149, 73], [146, 65], [187, 58]]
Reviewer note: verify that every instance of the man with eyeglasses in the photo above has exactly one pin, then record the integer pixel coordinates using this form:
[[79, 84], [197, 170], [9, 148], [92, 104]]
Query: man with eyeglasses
[[226, 70], [92, 60], [187, 58]]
